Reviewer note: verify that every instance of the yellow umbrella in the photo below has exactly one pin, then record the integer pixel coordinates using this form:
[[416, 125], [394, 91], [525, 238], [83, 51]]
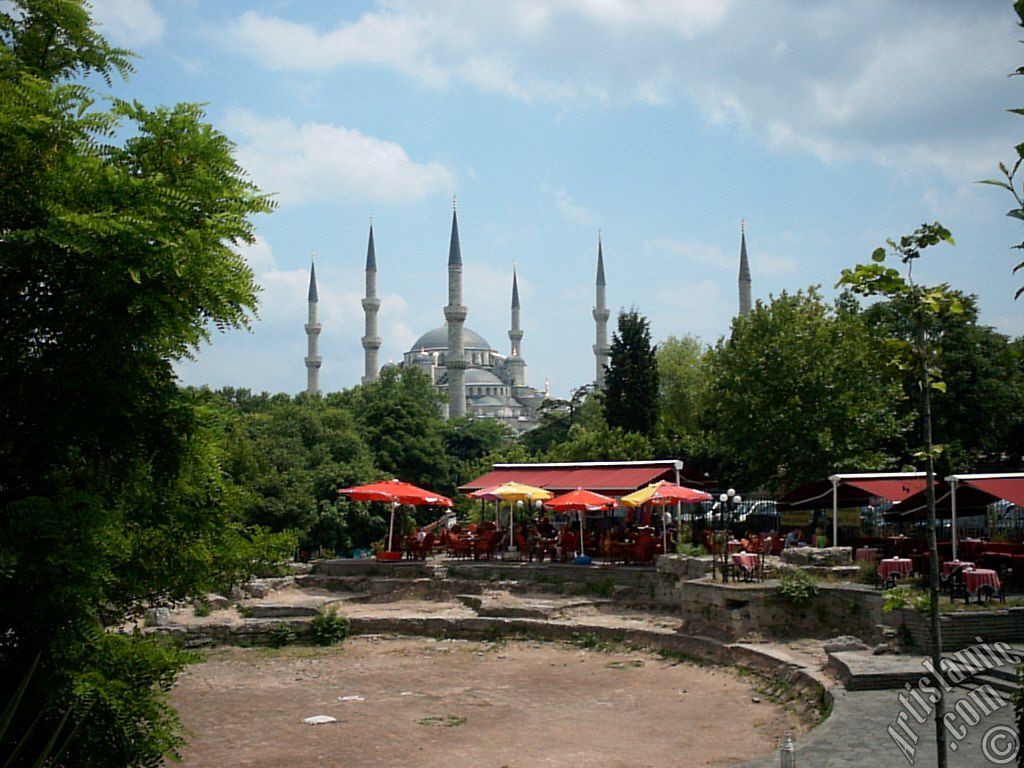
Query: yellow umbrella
[[641, 497], [513, 492]]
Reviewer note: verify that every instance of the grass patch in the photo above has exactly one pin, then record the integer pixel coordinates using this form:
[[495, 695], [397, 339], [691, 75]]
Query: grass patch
[[447, 721]]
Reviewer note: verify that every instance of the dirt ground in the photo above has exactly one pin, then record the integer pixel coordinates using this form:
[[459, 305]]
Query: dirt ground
[[453, 703]]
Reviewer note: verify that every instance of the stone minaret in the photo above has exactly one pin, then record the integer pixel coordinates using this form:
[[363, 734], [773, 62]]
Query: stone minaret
[[744, 280], [601, 315], [455, 317], [313, 359], [371, 304], [515, 360]]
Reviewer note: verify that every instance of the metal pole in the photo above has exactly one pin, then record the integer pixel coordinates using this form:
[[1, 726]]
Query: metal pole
[[835, 511], [952, 485]]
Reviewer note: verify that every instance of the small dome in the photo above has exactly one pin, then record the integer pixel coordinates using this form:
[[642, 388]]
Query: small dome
[[437, 339], [489, 400], [481, 378]]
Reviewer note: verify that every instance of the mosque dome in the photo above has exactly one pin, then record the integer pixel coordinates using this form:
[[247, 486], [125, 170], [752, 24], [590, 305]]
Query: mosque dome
[[480, 378], [437, 339]]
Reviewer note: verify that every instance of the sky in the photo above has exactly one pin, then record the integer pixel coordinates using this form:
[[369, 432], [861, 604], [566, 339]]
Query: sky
[[828, 127]]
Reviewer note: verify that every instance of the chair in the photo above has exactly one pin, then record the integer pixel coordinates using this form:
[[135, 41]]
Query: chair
[[485, 546], [569, 542], [459, 547], [987, 592], [524, 548]]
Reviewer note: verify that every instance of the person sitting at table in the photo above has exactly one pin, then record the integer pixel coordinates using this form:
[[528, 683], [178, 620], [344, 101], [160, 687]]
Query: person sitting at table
[[545, 528], [793, 539]]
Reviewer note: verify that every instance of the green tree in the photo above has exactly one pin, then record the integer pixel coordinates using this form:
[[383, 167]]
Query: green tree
[[601, 444], [117, 256], [631, 383], [918, 355], [400, 418], [799, 391], [978, 421], [1009, 180]]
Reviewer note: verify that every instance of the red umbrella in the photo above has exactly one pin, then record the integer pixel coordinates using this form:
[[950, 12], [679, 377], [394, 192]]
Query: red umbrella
[[396, 492], [580, 500]]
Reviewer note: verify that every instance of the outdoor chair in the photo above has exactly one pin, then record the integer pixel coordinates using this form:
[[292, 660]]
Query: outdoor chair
[[485, 546], [459, 547], [524, 548], [987, 592]]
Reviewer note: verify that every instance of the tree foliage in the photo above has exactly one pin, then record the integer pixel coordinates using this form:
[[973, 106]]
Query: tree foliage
[[1009, 180], [797, 392], [118, 230], [631, 384]]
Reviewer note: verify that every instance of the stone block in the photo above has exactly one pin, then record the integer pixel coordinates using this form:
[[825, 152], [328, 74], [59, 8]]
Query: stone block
[[217, 602], [825, 557], [844, 643]]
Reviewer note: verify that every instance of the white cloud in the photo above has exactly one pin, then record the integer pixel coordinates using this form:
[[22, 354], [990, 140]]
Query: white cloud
[[570, 209], [128, 22], [842, 82], [259, 256], [317, 160]]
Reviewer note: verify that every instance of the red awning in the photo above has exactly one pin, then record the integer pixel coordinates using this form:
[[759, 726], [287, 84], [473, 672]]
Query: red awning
[[1009, 488], [851, 492], [610, 480], [892, 489]]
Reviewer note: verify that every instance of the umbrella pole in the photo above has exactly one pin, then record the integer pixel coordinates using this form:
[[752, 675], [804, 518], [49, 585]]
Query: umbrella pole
[[581, 533], [391, 527], [664, 534]]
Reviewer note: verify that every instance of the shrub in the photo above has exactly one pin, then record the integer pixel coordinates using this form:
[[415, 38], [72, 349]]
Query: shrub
[[281, 635], [906, 597], [797, 587], [329, 628], [867, 573], [202, 608]]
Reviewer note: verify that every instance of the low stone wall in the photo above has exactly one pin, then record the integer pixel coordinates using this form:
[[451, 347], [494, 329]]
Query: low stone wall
[[959, 629]]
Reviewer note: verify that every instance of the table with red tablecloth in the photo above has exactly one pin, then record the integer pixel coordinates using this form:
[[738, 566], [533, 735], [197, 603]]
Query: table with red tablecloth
[[735, 545], [951, 565], [747, 562], [867, 554], [901, 566], [978, 577]]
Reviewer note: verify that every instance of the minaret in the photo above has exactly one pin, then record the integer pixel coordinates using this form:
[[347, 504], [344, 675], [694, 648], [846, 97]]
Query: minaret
[[744, 280], [455, 316], [371, 304], [515, 359], [313, 359], [601, 315]]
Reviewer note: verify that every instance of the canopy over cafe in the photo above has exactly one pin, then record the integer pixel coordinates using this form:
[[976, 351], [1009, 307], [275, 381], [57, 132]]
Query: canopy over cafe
[[845, 494]]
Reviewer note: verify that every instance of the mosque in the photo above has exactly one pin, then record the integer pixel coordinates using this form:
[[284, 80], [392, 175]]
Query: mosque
[[478, 381]]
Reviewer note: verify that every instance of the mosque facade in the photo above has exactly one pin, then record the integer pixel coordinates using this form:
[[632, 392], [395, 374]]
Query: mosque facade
[[477, 380]]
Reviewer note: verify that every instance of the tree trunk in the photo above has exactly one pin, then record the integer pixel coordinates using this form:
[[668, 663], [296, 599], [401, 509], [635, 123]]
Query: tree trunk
[[933, 555]]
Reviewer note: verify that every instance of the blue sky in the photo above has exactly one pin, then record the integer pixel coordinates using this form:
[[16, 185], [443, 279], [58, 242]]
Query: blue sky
[[828, 127]]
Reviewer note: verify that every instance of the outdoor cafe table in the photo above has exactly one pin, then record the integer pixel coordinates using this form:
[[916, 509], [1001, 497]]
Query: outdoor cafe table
[[746, 560], [974, 579], [867, 554], [735, 545], [900, 565], [951, 565]]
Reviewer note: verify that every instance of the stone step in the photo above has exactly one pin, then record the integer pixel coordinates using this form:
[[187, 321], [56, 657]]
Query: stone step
[[266, 611]]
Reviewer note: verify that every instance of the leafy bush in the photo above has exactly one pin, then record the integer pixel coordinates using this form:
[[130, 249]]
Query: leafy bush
[[867, 573], [797, 587], [201, 608], [281, 635], [906, 597], [329, 628]]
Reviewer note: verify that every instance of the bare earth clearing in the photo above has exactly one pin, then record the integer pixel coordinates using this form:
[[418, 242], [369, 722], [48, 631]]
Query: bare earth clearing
[[453, 703]]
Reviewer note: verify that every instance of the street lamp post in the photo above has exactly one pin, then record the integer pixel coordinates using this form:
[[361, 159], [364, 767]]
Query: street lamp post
[[728, 502]]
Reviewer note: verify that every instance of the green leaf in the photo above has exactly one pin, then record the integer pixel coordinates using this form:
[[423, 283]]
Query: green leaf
[[939, 386]]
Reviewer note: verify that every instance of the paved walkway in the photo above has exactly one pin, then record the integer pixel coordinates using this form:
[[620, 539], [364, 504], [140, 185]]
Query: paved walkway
[[856, 735]]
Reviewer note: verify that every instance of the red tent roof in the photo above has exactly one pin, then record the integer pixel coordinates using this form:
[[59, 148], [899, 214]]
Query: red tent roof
[[853, 491], [1009, 488], [611, 479]]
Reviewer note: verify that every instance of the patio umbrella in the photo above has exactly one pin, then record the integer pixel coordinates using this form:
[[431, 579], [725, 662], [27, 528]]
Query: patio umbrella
[[580, 500], [396, 492], [513, 492], [663, 492]]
